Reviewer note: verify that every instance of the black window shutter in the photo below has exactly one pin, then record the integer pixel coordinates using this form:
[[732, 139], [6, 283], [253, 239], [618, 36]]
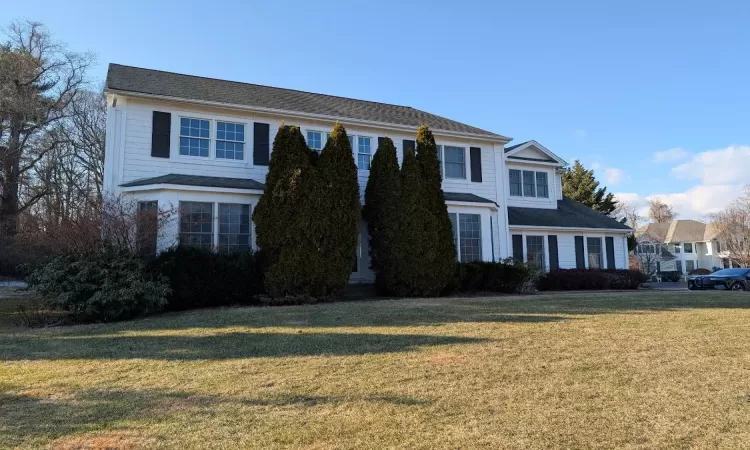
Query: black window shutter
[[409, 146], [261, 146], [554, 258], [161, 125], [610, 244], [475, 154], [518, 247], [580, 258]]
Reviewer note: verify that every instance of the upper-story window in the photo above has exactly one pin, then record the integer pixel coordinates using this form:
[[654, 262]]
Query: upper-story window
[[646, 249], [676, 247], [315, 140], [364, 153], [528, 183], [194, 137], [230, 140], [454, 161], [688, 247]]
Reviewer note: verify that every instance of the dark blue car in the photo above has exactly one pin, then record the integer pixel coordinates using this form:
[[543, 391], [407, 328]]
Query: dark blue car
[[726, 279]]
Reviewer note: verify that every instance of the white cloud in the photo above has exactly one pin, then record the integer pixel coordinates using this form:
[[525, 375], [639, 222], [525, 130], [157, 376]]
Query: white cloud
[[670, 155], [694, 203], [615, 176], [714, 167]]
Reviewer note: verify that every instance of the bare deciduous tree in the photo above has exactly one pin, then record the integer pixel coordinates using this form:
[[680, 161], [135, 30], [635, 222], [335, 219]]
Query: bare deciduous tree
[[661, 212], [627, 213], [733, 227], [39, 80]]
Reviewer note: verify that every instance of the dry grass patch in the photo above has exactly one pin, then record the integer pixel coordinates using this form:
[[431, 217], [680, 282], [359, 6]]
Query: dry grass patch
[[639, 370]]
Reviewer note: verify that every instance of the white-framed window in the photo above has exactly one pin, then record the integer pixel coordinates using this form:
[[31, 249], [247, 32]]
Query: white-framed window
[[646, 249], [230, 140], [196, 224], [315, 140], [528, 183], [535, 251], [195, 137], [467, 235], [688, 247], [454, 161], [594, 246], [364, 152], [234, 227], [676, 247], [689, 265]]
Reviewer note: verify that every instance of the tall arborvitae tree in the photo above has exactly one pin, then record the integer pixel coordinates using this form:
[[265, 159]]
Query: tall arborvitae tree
[[443, 265], [411, 273], [381, 210], [341, 209], [580, 185]]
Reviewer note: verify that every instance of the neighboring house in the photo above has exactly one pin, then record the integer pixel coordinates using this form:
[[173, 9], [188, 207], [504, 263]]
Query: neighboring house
[[682, 246], [203, 145]]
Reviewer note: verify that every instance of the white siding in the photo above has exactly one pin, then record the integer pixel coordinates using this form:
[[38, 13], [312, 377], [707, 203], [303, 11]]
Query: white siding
[[566, 245], [138, 162]]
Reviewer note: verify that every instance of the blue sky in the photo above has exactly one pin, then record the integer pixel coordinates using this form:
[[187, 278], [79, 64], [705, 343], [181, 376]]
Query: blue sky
[[652, 95]]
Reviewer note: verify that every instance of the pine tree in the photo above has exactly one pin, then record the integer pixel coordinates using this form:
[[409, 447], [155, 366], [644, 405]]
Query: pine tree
[[341, 209], [381, 210], [580, 185], [443, 265], [411, 273]]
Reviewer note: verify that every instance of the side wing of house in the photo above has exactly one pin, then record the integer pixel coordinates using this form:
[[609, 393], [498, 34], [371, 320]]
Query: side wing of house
[[549, 230]]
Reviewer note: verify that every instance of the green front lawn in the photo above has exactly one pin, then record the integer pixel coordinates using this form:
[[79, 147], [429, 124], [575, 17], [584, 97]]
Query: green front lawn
[[645, 369]]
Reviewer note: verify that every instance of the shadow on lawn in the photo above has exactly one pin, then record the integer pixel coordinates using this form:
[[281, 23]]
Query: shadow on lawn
[[27, 420], [215, 346]]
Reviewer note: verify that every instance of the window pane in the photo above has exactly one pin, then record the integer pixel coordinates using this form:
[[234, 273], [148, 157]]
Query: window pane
[[455, 165], [535, 251], [688, 247], [594, 252], [542, 190], [514, 175], [230, 139], [528, 184], [364, 151], [314, 140], [470, 237], [234, 228], [194, 137], [196, 224]]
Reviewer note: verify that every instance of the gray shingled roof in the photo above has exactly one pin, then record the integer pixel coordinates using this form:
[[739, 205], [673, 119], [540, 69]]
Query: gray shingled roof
[[680, 231], [569, 214], [189, 87], [197, 180], [246, 183], [513, 147], [471, 198]]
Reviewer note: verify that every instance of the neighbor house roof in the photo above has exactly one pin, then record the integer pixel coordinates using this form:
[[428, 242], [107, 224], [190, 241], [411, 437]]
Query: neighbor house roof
[[150, 82], [197, 180], [680, 231], [569, 214]]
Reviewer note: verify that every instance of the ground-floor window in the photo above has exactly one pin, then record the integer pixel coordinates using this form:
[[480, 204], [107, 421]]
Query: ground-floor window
[[467, 235], [689, 265], [594, 245], [196, 224], [535, 251], [234, 228]]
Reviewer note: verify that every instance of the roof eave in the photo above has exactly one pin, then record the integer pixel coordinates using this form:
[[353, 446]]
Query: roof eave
[[496, 138]]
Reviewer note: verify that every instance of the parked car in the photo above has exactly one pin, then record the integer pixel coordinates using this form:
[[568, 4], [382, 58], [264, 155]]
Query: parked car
[[729, 279]]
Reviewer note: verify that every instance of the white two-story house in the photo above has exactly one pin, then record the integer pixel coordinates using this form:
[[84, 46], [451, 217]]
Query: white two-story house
[[201, 147]]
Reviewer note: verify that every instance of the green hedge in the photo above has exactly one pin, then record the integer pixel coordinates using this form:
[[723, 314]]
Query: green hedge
[[201, 278], [504, 276], [589, 279], [101, 286]]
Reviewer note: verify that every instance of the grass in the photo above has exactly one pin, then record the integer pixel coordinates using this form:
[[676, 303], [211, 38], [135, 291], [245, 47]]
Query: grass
[[639, 370]]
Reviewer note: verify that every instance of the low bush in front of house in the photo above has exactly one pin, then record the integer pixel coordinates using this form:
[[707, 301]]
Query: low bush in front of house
[[671, 276], [589, 279], [100, 286], [700, 272], [201, 278], [506, 276]]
